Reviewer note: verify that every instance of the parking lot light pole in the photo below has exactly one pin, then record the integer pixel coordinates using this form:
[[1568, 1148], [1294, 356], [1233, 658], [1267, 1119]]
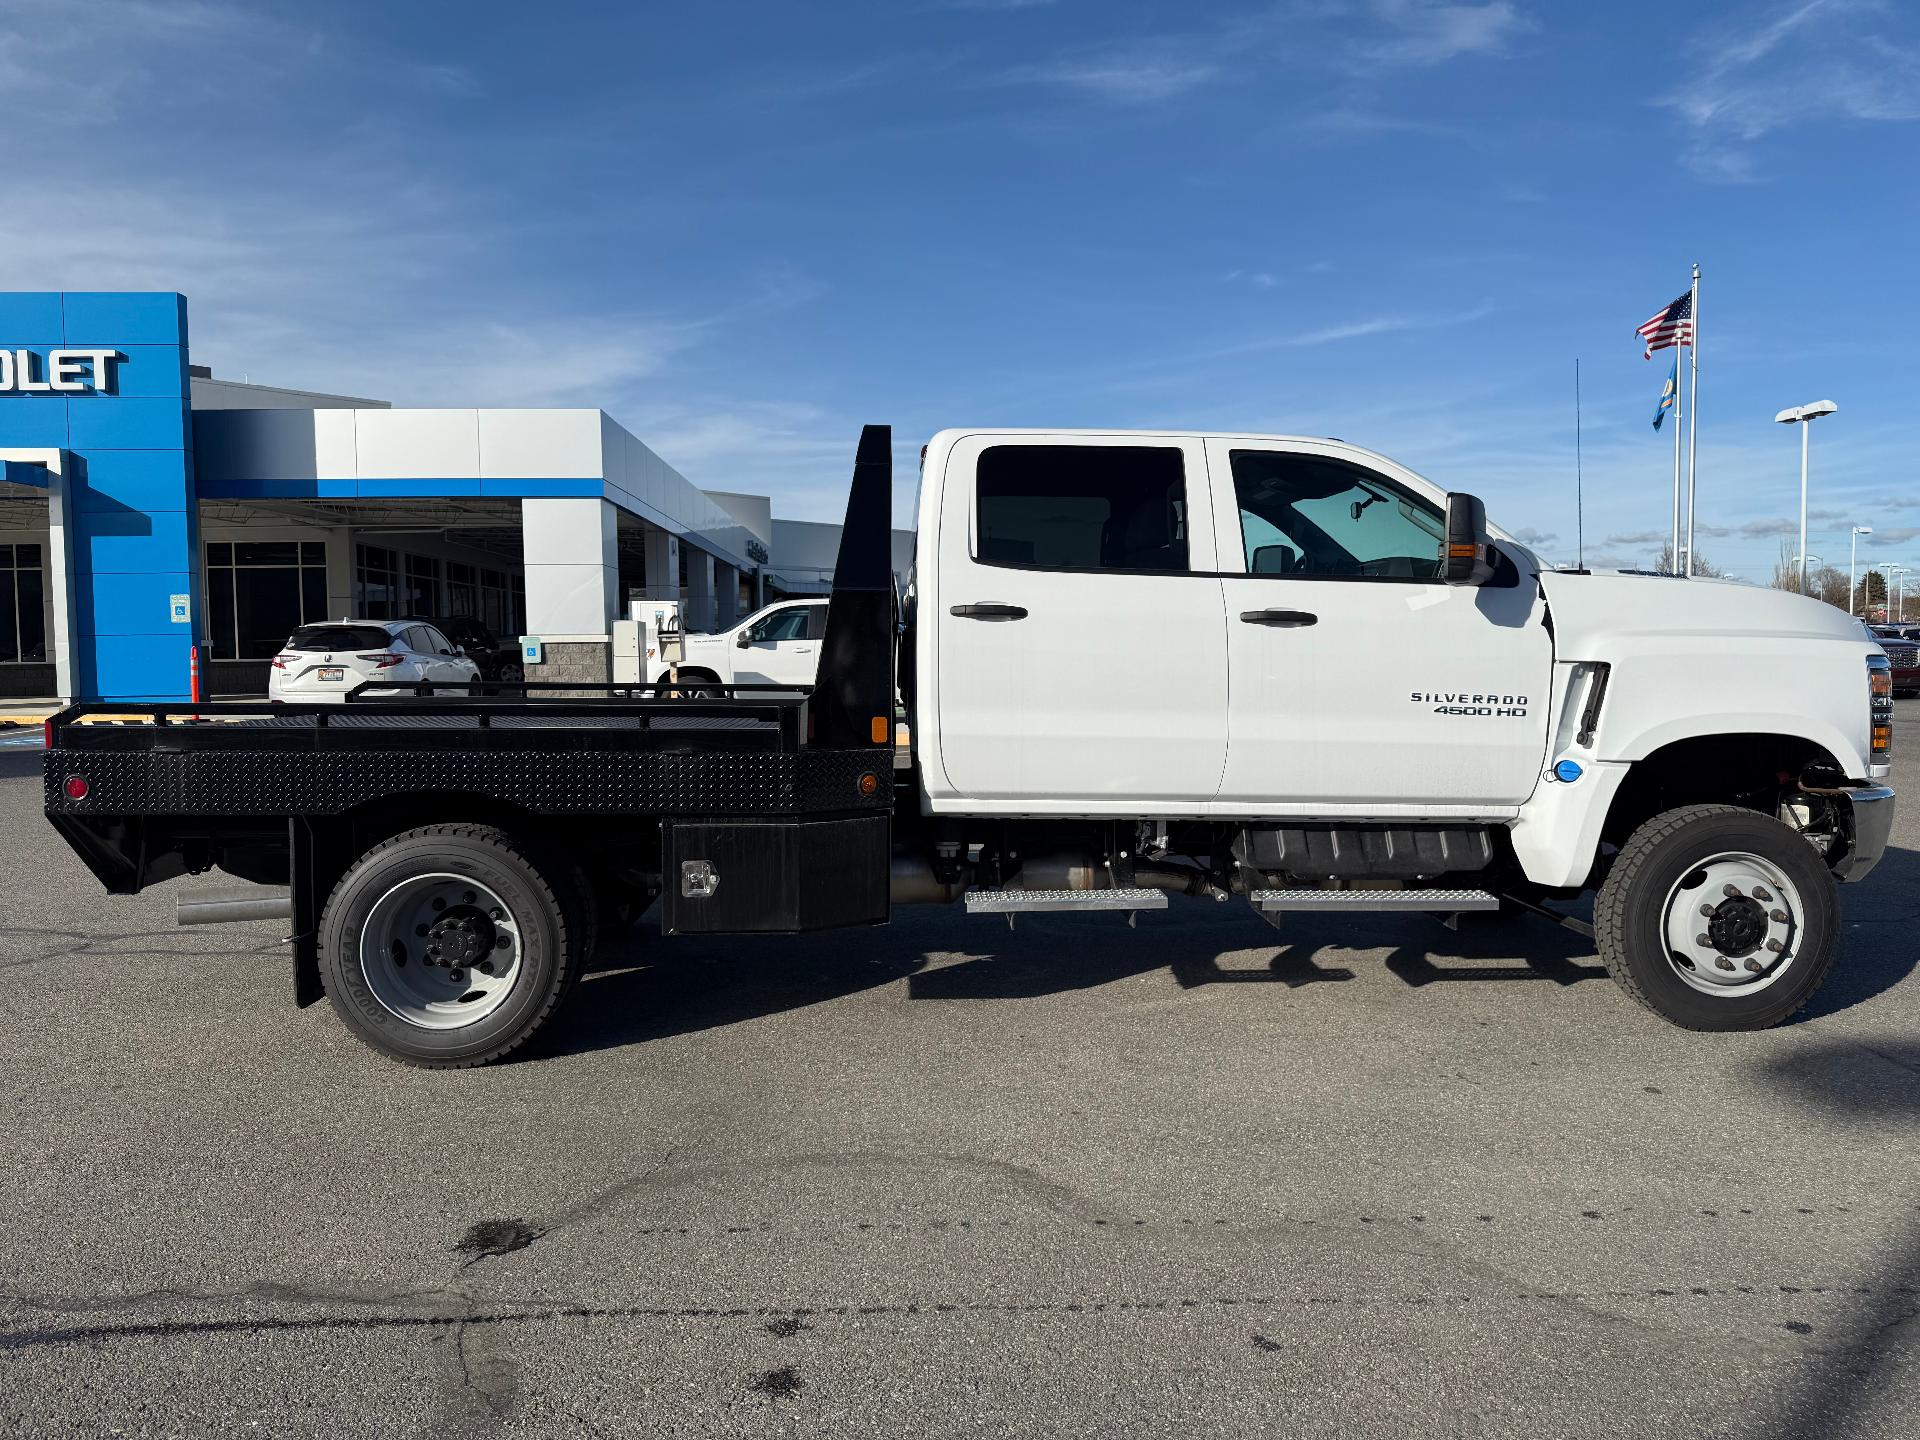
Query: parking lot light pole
[[1804, 415], [1853, 546], [1896, 611]]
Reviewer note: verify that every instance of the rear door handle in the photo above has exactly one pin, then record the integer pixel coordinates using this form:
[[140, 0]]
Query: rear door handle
[[989, 611], [1278, 617]]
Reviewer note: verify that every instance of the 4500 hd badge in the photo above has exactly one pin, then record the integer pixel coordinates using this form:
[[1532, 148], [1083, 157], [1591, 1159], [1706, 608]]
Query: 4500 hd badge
[[1471, 704]]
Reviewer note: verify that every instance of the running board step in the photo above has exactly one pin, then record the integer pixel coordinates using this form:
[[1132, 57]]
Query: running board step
[[1450, 901], [1029, 902]]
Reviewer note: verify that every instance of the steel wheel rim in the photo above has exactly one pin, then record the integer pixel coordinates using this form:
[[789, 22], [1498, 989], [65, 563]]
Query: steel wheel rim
[[463, 920], [1732, 925]]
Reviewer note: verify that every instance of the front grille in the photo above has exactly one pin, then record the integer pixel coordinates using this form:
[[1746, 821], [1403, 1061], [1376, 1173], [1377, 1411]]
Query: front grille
[[1904, 657]]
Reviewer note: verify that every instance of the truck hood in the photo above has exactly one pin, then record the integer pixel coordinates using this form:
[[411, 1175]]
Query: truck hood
[[1592, 612]]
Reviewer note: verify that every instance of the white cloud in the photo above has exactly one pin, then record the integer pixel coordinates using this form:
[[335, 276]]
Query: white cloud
[[1418, 32], [1127, 78], [1821, 60]]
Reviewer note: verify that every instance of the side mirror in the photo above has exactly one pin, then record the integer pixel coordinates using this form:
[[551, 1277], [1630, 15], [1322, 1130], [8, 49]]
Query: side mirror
[[1466, 557], [744, 641]]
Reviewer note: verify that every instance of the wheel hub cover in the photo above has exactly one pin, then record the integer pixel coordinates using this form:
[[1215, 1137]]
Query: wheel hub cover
[[459, 937], [1738, 927]]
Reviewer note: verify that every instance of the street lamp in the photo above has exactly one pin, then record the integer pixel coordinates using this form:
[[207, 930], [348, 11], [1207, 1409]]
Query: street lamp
[[1798, 561], [1899, 608], [1805, 415], [1853, 552]]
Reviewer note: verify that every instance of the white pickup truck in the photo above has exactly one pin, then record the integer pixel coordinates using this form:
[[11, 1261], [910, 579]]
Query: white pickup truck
[[1277, 670], [777, 645]]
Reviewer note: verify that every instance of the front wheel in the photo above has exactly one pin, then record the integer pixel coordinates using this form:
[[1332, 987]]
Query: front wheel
[[1718, 918], [447, 946]]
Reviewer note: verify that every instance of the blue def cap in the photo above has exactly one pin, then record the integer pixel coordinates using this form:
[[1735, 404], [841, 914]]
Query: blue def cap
[[1568, 770]]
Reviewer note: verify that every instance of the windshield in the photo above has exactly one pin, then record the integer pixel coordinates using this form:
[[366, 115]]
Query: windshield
[[339, 637]]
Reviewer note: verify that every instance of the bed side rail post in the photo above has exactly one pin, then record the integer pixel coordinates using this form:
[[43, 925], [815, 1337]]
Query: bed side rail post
[[853, 694]]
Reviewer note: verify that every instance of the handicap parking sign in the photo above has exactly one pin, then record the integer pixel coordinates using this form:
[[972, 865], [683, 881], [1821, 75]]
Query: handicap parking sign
[[182, 611]]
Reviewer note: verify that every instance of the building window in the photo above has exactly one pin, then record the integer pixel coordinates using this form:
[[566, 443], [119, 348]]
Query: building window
[[463, 592], [376, 583], [423, 587], [260, 592], [23, 619]]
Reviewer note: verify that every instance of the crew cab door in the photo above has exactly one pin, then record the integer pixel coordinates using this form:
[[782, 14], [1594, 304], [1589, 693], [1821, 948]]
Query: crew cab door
[[782, 647], [1359, 678], [1079, 642]]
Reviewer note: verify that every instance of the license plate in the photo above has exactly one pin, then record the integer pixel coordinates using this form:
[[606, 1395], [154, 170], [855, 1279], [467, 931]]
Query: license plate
[[333, 672]]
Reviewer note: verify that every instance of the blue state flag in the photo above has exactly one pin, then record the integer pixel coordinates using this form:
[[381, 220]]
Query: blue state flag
[[1668, 395]]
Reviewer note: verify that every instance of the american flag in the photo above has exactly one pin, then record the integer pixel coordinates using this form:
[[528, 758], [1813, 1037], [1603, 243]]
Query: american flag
[[1672, 326]]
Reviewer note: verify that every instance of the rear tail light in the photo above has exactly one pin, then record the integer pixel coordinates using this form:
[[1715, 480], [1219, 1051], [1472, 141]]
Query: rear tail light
[[1880, 708], [384, 662], [46, 732], [279, 662]]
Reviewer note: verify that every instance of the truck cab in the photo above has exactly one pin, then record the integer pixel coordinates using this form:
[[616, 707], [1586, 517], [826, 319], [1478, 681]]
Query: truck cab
[[777, 645]]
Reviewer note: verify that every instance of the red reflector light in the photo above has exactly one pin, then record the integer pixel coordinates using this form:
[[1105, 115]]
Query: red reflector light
[[46, 732], [76, 787]]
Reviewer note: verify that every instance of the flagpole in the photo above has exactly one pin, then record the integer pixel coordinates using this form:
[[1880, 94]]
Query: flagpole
[[1693, 418], [1679, 424]]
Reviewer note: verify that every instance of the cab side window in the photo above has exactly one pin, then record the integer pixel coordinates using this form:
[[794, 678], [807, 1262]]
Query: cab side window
[[1306, 515], [1082, 507], [788, 624]]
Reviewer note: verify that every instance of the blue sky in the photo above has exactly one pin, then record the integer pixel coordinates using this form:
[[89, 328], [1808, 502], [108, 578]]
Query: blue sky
[[744, 229]]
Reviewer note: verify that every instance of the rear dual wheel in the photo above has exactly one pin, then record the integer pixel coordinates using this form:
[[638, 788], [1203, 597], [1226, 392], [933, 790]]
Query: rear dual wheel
[[452, 945], [1718, 918]]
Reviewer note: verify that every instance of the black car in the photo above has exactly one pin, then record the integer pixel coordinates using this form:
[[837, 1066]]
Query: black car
[[496, 661]]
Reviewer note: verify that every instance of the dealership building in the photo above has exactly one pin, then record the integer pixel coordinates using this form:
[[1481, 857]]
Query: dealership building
[[149, 507]]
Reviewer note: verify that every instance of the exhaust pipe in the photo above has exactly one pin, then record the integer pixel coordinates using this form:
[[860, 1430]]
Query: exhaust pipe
[[910, 881], [233, 907]]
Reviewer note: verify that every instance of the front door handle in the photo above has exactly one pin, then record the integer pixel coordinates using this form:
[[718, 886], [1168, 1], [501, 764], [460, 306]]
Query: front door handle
[[1278, 617], [989, 611]]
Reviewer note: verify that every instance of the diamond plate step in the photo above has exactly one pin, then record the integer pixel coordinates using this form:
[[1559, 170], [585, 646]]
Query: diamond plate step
[[1303, 899], [1028, 902]]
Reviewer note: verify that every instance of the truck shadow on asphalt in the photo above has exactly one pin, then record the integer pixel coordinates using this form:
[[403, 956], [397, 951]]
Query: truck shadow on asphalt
[[1869, 1083], [647, 987]]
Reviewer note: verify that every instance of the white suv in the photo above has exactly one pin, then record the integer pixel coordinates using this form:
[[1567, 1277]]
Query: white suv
[[322, 662]]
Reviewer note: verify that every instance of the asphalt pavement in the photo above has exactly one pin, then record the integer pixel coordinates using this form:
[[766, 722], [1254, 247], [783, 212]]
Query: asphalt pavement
[[1358, 1176]]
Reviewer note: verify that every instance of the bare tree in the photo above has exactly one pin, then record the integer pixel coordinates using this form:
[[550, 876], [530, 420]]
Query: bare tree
[[1702, 566], [1826, 582]]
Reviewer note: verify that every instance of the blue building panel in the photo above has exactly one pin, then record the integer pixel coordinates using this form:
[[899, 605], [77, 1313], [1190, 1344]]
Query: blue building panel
[[130, 542], [142, 603], [150, 666], [235, 487], [416, 489], [150, 372], [34, 422], [590, 487], [110, 480], [30, 318], [95, 317], [112, 423]]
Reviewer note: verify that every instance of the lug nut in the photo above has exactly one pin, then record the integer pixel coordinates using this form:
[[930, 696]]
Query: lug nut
[[1707, 910], [456, 974], [1777, 915], [501, 942], [496, 913], [468, 896], [1761, 893], [1722, 962], [1775, 946], [485, 967], [1732, 892], [1703, 941], [1753, 965]]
